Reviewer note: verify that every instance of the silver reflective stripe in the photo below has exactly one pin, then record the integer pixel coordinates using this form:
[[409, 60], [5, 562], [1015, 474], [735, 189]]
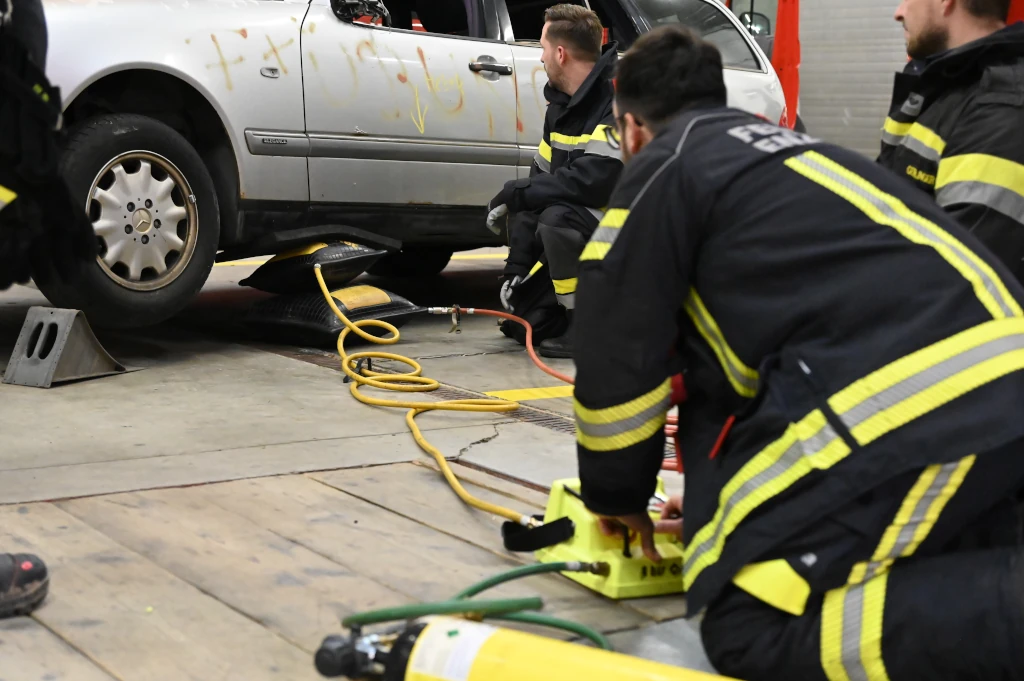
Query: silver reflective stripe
[[626, 424], [914, 222], [563, 146], [602, 148], [748, 382], [542, 163], [921, 149], [1000, 199], [567, 300], [599, 214], [605, 235], [792, 456], [912, 107], [853, 618], [890, 138], [933, 375], [917, 516]]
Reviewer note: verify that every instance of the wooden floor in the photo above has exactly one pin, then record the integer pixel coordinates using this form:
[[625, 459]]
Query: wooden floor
[[243, 580]]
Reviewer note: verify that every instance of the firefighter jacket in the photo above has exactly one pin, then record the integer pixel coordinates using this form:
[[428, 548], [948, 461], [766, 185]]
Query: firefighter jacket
[[841, 323], [574, 165], [955, 130]]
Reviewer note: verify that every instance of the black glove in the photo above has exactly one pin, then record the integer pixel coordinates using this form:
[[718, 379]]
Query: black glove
[[511, 196]]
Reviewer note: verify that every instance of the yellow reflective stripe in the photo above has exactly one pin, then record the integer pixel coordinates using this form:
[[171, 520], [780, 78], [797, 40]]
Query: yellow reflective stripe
[[568, 142], [615, 218], [916, 137], [600, 134], [892, 395], [595, 250], [886, 209], [851, 632], [990, 181], [742, 378], [6, 196], [916, 516], [986, 353], [776, 583], [544, 150], [811, 444], [604, 236], [564, 286], [624, 425], [981, 168]]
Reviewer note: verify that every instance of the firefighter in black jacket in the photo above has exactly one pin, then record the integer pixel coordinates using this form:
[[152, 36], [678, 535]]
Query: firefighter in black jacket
[[956, 125], [556, 209], [42, 233], [852, 358]]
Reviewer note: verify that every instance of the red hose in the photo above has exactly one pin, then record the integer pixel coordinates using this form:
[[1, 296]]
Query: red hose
[[674, 463]]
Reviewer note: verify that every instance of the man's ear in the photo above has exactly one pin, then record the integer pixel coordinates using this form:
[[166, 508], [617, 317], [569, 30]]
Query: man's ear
[[948, 6]]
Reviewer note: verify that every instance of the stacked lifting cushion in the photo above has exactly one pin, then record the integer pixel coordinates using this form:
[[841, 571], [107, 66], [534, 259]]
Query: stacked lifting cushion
[[307, 319], [292, 272]]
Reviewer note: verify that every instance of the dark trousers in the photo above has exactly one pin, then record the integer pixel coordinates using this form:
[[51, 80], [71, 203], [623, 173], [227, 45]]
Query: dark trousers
[[954, 609], [555, 237]]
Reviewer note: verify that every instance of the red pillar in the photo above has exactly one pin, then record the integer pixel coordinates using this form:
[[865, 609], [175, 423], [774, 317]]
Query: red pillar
[[786, 54], [1016, 11]]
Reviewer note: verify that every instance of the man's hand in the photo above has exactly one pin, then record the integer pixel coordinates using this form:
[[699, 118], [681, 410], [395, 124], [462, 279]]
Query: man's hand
[[506, 292], [639, 523], [494, 215], [671, 518]]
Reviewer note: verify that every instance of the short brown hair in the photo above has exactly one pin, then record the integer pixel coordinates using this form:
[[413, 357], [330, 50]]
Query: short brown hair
[[988, 9], [577, 27]]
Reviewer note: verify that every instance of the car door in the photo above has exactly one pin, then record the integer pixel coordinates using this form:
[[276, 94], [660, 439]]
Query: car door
[[408, 116]]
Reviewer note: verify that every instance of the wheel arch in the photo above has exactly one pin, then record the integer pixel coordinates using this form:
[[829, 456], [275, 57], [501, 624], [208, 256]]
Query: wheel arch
[[173, 98]]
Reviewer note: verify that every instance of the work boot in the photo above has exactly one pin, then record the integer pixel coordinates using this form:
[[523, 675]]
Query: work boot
[[24, 582], [560, 347]]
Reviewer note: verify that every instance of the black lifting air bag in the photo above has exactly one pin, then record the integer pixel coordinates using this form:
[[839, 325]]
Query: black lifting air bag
[[292, 271], [307, 319]]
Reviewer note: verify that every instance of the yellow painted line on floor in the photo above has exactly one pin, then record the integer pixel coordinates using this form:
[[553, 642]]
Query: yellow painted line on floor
[[524, 394], [240, 263], [480, 256]]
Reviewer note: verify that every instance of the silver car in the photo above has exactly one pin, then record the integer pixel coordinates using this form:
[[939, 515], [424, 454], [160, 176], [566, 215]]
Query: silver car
[[205, 130]]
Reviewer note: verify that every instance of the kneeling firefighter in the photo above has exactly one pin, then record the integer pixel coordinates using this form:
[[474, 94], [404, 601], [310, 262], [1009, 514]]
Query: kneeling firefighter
[[556, 209], [42, 233], [852, 433]]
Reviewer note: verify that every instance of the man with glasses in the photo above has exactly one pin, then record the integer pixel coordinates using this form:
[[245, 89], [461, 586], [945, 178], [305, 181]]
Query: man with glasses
[[850, 410]]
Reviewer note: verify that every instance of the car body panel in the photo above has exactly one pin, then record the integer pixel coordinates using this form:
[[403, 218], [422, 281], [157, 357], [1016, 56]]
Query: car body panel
[[217, 46], [323, 111]]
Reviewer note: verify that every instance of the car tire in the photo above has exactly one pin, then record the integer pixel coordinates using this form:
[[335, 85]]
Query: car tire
[[415, 261], [125, 169]]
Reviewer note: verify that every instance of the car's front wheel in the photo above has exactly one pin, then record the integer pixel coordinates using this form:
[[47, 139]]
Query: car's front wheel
[[154, 209]]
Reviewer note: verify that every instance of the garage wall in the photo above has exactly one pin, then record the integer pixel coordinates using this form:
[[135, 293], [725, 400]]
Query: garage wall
[[850, 50]]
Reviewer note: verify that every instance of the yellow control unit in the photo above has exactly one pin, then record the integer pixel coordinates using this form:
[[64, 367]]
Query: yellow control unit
[[631, 574]]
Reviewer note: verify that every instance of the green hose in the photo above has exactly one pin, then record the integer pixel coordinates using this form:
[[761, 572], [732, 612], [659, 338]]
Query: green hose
[[524, 571], [555, 623], [453, 607], [537, 618]]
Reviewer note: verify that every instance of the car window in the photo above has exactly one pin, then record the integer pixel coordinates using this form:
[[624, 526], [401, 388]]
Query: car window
[[527, 18], [707, 20], [444, 17]]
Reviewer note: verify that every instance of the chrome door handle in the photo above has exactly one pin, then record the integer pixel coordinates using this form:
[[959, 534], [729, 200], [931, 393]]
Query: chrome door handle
[[493, 67]]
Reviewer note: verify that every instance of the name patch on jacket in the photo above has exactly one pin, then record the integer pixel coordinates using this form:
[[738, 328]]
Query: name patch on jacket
[[770, 138]]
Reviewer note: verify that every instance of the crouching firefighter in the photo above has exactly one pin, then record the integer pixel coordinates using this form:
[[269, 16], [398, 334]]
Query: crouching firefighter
[[553, 212], [42, 233], [853, 431]]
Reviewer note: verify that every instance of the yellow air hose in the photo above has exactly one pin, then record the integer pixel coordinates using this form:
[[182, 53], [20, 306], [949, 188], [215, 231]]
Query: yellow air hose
[[412, 382]]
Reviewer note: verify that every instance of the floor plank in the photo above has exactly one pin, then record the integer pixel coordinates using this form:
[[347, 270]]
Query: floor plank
[[137, 620], [399, 552], [422, 493], [487, 480], [30, 652], [286, 587]]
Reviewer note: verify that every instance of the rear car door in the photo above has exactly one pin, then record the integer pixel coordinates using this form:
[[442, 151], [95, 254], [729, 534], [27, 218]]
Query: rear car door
[[421, 113]]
